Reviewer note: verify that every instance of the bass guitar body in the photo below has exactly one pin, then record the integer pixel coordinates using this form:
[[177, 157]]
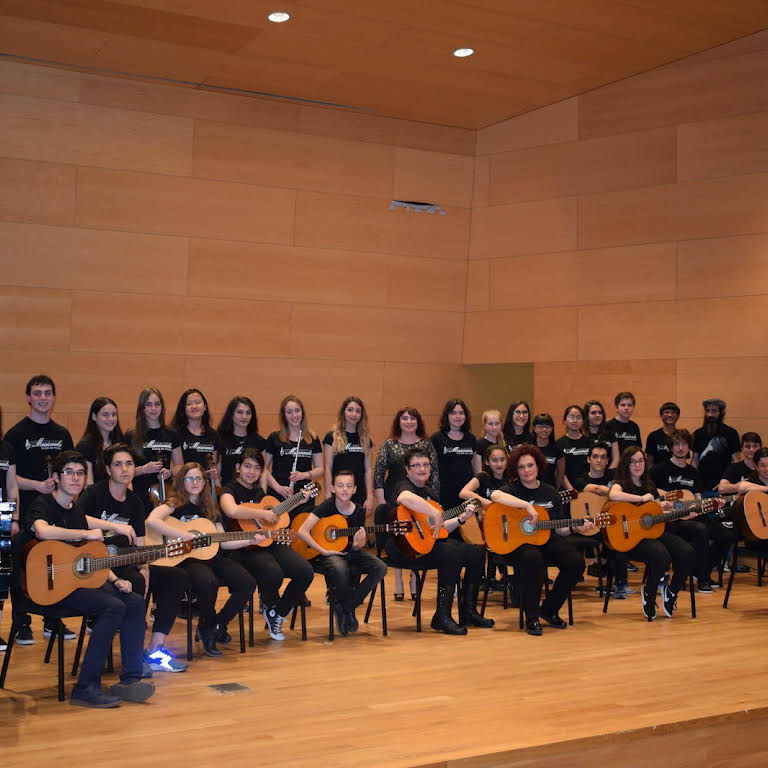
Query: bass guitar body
[[506, 528], [751, 513], [200, 526], [55, 569], [631, 523], [420, 540]]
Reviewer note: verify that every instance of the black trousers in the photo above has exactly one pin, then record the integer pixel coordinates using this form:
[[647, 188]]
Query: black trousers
[[658, 555], [696, 534], [448, 556], [340, 570], [270, 566]]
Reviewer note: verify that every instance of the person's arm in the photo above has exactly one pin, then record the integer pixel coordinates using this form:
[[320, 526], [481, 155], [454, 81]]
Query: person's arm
[[327, 466], [96, 523], [305, 534], [434, 477], [599, 490], [560, 477], [477, 463], [40, 486], [370, 498], [239, 512], [469, 491], [614, 455], [88, 473], [156, 522], [177, 460], [257, 538], [280, 490], [617, 494], [745, 486], [695, 460], [47, 532], [502, 497], [417, 504]]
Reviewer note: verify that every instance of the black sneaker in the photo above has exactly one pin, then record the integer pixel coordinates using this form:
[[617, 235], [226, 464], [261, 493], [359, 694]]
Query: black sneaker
[[135, 691], [274, 623], [631, 567], [704, 586], [554, 620], [532, 627], [341, 619], [223, 636], [649, 604], [24, 636], [352, 623], [668, 601], [94, 698], [49, 629], [593, 570]]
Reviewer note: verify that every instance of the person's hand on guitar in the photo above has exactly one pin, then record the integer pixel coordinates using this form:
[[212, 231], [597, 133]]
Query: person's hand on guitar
[[436, 523], [533, 515], [588, 526], [123, 585], [667, 506], [258, 538], [93, 534], [127, 531], [359, 539]]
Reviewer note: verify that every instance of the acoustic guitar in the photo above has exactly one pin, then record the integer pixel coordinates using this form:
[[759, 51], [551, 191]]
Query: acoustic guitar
[[631, 523], [751, 513], [281, 508], [333, 533], [472, 530], [207, 538], [420, 540], [54, 569]]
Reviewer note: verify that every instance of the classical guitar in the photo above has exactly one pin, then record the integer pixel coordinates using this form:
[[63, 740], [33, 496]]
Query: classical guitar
[[281, 508], [631, 523], [207, 538], [472, 530], [333, 533], [507, 528], [54, 569], [420, 540], [751, 513]]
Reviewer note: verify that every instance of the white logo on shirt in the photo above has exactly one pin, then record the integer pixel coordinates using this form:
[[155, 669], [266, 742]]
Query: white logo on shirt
[[43, 444]]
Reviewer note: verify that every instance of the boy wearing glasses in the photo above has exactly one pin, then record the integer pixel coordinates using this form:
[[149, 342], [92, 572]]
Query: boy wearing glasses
[[55, 516], [36, 441]]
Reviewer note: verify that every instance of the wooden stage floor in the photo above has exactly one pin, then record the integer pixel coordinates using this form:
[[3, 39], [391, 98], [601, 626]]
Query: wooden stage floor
[[495, 697]]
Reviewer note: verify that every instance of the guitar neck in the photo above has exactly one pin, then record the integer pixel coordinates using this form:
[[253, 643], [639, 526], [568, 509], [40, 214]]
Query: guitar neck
[[450, 514], [290, 503], [135, 557], [243, 535], [383, 528], [567, 522], [683, 509]]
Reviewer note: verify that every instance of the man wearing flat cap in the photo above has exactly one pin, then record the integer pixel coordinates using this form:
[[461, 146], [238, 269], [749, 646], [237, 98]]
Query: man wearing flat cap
[[715, 444]]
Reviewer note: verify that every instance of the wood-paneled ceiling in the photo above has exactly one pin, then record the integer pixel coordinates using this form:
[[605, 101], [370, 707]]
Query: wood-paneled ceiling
[[388, 57]]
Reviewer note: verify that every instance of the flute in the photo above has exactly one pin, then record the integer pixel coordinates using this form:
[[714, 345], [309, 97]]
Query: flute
[[295, 460]]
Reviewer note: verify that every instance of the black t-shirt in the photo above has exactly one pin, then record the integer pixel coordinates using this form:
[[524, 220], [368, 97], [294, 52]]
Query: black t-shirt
[[406, 485], [283, 455], [524, 437], [97, 501], [87, 447], [187, 512], [45, 507], [656, 446], [7, 460], [575, 452], [158, 445], [715, 453], [36, 445], [670, 477], [355, 519], [454, 461], [737, 472], [241, 495], [351, 458], [605, 438], [199, 448], [483, 445], [488, 484], [625, 434], [231, 449], [544, 496], [551, 454], [580, 483]]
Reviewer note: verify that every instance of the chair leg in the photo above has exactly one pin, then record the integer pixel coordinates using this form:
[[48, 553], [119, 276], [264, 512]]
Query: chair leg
[[693, 597], [599, 554], [420, 579], [570, 609], [7, 659], [368, 608], [189, 627], [608, 586], [295, 611], [79, 648], [250, 622], [51, 641], [504, 576], [241, 622], [303, 621], [485, 596], [383, 609], [734, 561], [331, 610], [60, 658]]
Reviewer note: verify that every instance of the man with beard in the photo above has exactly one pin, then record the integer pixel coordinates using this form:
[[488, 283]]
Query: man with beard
[[715, 444]]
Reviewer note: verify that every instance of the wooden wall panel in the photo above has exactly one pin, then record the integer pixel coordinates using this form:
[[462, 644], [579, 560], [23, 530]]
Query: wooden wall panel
[[481, 191], [367, 224], [678, 93], [34, 317], [178, 206], [43, 193], [426, 283], [282, 159], [538, 227], [478, 285], [728, 147], [520, 335], [63, 132], [42, 82], [583, 277], [729, 266], [344, 333], [595, 165], [67, 257], [425, 387], [179, 325], [673, 329], [695, 209], [433, 177], [548, 125]]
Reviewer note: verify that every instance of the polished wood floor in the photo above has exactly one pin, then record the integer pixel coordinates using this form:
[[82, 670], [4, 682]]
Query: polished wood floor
[[428, 699]]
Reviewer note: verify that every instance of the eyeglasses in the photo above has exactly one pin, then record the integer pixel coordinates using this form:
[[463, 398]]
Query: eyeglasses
[[418, 466], [194, 479], [519, 413], [73, 472], [637, 461]]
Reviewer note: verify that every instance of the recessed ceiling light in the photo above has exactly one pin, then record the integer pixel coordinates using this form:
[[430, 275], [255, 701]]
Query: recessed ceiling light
[[279, 17], [462, 53]]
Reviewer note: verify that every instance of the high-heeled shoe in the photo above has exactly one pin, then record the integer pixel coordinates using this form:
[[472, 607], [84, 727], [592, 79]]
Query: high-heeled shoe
[[208, 638], [399, 597]]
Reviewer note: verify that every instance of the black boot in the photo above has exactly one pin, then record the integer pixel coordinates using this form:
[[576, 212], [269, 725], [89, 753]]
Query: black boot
[[208, 639], [442, 621], [471, 616]]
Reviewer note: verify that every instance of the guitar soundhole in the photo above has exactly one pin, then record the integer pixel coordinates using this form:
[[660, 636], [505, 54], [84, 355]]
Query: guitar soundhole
[[331, 535], [82, 566], [527, 526], [645, 521]]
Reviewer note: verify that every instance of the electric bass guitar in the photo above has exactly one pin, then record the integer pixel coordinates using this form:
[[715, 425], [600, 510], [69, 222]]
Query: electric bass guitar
[[751, 513], [507, 528], [333, 533], [54, 569], [420, 540], [631, 523], [208, 538], [281, 508]]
